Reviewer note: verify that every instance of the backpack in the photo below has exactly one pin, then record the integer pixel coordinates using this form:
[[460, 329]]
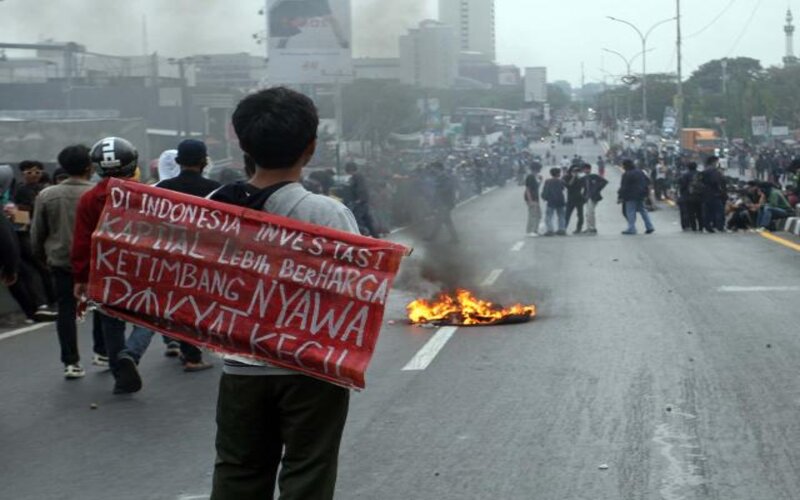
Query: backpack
[[696, 185]]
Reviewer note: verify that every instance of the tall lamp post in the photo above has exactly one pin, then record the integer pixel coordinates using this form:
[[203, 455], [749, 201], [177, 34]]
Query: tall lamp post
[[643, 37]]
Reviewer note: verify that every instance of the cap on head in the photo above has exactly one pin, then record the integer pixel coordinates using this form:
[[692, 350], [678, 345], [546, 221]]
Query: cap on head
[[115, 157], [191, 153]]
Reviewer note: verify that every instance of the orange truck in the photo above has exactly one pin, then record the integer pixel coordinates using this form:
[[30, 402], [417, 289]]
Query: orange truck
[[700, 140]]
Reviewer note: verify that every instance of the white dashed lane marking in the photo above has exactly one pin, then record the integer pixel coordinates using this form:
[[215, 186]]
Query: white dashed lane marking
[[14, 333], [430, 350], [492, 278]]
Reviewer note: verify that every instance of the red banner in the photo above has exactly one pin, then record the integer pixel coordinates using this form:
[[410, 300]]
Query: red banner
[[243, 282]]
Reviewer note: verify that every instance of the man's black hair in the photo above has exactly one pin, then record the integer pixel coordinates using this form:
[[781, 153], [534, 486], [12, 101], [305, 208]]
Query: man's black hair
[[555, 172], [276, 126], [249, 165], [29, 164], [350, 167], [75, 159], [711, 160], [536, 167], [628, 165], [692, 165]]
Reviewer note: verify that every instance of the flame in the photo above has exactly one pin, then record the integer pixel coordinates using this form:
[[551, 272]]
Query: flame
[[463, 308]]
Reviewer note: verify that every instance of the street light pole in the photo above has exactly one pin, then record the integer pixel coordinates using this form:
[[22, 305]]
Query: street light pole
[[643, 37]]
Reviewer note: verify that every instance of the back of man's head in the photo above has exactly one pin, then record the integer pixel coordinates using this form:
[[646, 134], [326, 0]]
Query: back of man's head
[[628, 165], [351, 168], [276, 127], [555, 172], [692, 166], [712, 161], [75, 160]]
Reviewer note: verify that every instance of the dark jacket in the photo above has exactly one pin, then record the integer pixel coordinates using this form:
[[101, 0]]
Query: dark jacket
[[683, 187], [574, 189], [9, 248], [714, 186], [190, 182], [593, 185], [553, 193], [635, 186]]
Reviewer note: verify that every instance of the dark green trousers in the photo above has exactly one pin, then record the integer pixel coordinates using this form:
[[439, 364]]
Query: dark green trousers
[[264, 422]]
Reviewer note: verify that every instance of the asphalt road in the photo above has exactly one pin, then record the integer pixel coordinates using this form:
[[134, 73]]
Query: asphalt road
[[669, 359]]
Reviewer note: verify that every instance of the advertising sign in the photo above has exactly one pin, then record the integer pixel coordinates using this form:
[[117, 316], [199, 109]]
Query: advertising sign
[[309, 41], [536, 84], [243, 282]]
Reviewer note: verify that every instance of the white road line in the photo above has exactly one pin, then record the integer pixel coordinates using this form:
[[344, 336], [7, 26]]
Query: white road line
[[492, 278], [756, 289], [14, 333], [428, 353], [518, 246]]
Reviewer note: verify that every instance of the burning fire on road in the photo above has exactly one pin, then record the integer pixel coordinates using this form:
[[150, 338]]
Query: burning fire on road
[[462, 308]]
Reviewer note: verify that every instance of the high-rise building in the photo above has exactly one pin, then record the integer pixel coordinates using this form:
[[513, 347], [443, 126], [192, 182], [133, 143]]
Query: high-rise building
[[429, 56], [474, 23], [790, 59]]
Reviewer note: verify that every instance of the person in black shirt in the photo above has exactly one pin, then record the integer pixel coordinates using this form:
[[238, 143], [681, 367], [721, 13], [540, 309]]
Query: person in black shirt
[[532, 200], [714, 196], [192, 158], [689, 202], [575, 199], [634, 189]]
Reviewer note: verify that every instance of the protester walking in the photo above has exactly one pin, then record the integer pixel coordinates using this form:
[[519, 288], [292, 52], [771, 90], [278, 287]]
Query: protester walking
[[532, 199], [192, 158], [553, 194], [593, 186], [112, 157], [634, 189], [270, 418], [51, 239]]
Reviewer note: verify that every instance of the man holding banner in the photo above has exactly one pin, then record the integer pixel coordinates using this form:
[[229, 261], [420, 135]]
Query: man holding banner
[[279, 281], [265, 412]]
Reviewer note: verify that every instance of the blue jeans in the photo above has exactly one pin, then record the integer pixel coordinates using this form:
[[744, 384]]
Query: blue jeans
[[766, 214], [631, 209], [117, 347], [561, 213]]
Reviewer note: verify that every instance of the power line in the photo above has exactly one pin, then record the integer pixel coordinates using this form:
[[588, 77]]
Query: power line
[[746, 27], [713, 21]]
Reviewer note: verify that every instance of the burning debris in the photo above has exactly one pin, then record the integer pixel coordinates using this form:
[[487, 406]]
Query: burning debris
[[464, 309]]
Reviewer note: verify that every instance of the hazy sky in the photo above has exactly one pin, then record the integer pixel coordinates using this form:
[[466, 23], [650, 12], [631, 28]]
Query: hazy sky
[[559, 36]]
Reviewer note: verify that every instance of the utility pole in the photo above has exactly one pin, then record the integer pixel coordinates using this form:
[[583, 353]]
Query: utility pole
[[679, 98]]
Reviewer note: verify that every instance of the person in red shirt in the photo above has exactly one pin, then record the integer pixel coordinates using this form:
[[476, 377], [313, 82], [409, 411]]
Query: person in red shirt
[[112, 157]]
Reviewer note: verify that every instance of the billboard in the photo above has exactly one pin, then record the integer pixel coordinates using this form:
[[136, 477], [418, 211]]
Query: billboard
[[508, 76], [309, 41], [536, 84]]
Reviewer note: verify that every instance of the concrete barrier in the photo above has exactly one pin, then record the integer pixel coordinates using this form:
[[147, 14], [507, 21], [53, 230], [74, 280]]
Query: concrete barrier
[[793, 225]]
